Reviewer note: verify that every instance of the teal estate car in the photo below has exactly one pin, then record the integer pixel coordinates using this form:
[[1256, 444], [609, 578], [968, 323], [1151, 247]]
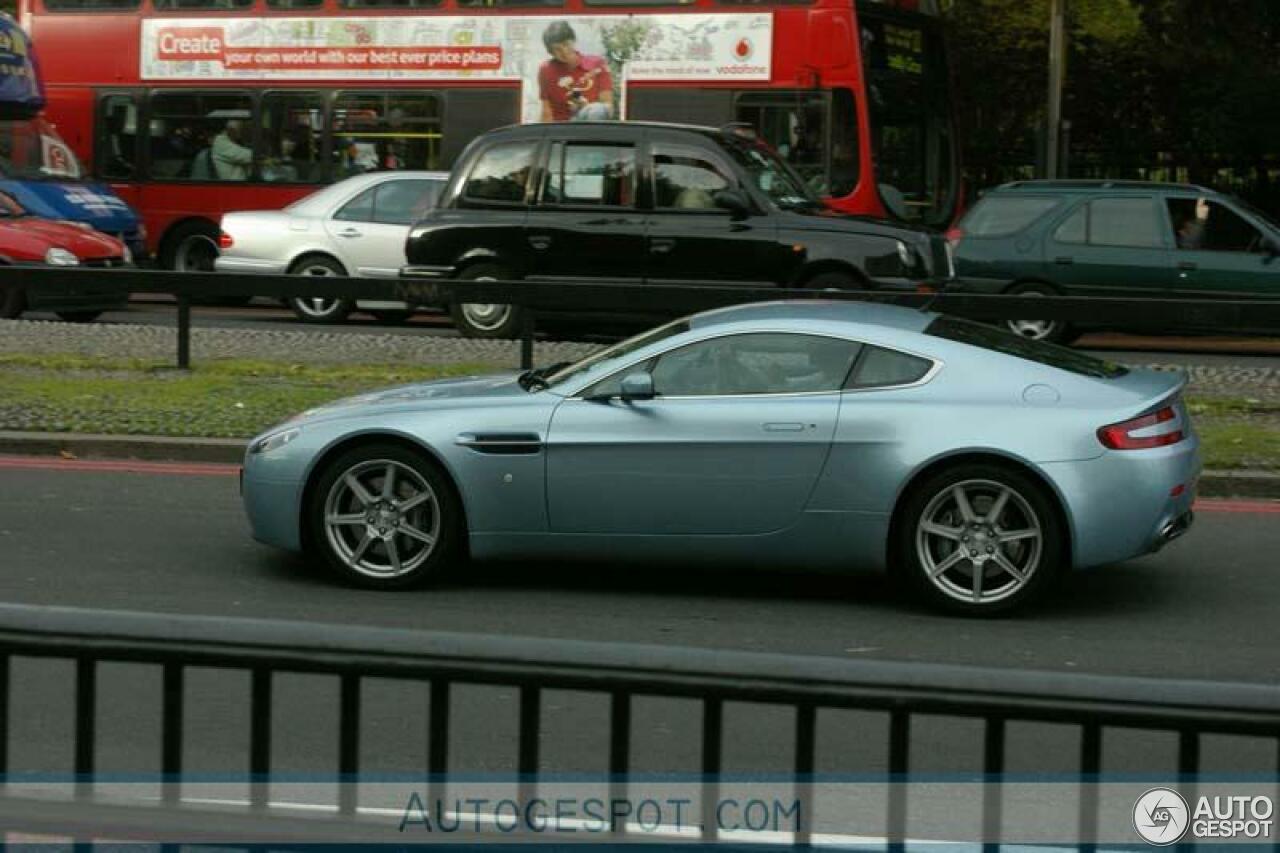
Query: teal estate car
[[1114, 238]]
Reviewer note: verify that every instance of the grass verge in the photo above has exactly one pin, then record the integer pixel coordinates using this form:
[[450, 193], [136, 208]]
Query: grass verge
[[238, 398]]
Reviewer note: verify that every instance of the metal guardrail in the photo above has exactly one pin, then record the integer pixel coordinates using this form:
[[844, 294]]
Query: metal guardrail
[[621, 672], [1259, 316]]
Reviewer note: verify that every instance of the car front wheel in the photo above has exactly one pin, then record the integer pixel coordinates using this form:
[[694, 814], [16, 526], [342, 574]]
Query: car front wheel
[[980, 539], [382, 516]]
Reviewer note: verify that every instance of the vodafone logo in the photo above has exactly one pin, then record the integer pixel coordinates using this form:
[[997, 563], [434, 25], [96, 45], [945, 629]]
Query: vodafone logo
[[743, 49], [189, 44]]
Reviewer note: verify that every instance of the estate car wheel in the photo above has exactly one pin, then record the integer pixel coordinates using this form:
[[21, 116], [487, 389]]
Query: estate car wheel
[[980, 539], [1054, 331], [382, 516], [319, 309], [79, 316], [486, 319]]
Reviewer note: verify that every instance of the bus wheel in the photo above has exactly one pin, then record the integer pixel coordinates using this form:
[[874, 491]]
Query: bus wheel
[[191, 248], [13, 301]]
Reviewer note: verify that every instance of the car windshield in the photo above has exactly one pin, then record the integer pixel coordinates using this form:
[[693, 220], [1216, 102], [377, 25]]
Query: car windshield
[[617, 353], [30, 149], [1258, 212], [772, 175], [998, 340]]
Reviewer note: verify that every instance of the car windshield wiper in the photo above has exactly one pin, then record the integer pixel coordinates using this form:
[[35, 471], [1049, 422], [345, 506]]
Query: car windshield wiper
[[536, 379]]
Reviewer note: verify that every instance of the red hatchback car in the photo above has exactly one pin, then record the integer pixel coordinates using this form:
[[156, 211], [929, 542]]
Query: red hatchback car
[[27, 240]]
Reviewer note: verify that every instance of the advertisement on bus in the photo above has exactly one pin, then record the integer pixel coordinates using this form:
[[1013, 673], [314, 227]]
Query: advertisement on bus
[[571, 66]]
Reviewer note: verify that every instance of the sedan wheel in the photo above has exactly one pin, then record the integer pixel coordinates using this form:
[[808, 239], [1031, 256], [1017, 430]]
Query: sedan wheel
[[981, 539], [383, 517], [317, 309]]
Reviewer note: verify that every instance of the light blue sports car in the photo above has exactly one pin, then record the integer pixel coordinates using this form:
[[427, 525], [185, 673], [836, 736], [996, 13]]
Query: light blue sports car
[[974, 464]]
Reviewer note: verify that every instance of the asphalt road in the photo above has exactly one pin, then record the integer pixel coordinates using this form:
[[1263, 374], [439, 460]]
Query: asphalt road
[[87, 535]]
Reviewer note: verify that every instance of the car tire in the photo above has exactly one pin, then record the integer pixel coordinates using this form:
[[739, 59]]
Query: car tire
[[79, 316], [947, 548], [13, 301], [357, 532], [486, 320], [391, 317], [318, 309], [835, 280], [1053, 331]]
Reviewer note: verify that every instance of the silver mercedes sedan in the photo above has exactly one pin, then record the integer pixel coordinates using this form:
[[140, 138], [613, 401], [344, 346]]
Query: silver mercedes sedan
[[356, 227]]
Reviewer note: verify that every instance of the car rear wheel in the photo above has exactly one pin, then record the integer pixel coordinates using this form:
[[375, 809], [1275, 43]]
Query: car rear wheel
[[79, 316], [980, 538], [383, 516], [486, 319], [319, 309], [1053, 331]]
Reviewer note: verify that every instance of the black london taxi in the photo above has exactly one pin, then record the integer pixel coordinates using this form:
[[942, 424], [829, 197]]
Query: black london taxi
[[650, 203]]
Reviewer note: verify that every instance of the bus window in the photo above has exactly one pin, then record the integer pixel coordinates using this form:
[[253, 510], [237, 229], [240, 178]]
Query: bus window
[[117, 146], [89, 5], [375, 130], [796, 124], [170, 5], [385, 4], [289, 142], [200, 137], [294, 4]]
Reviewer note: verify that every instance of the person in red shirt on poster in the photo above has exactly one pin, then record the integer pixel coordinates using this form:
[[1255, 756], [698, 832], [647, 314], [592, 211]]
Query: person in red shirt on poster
[[573, 85]]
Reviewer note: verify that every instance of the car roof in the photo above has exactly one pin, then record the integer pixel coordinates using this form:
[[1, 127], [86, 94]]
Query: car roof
[[537, 129], [320, 200], [1093, 186], [813, 313]]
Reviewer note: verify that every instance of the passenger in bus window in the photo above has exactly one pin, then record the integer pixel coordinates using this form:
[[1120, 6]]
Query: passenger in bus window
[[573, 85], [231, 160]]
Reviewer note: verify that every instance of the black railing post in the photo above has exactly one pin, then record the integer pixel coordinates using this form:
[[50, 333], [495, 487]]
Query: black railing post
[[806, 749], [992, 791], [349, 744], [86, 718], [437, 742], [619, 752], [527, 325], [184, 331], [530, 732], [899, 766], [1090, 770], [260, 738], [171, 733], [712, 738]]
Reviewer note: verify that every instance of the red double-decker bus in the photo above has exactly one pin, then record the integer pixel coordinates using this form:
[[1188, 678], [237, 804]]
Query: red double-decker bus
[[854, 93]]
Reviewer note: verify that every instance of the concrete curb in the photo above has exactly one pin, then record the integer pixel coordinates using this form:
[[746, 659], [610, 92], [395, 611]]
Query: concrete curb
[[1213, 484]]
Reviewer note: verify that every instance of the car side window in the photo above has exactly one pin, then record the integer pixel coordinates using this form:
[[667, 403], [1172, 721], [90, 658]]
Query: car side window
[[582, 174], [1128, 222], [359, 209], [1074, 229], [754, 363], [402, 202], [686, 178], [880, 368], [1209, 226], [501, 173]]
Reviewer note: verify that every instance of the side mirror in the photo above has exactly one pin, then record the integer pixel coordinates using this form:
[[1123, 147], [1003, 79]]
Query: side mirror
[[637, 386], [733, 201]]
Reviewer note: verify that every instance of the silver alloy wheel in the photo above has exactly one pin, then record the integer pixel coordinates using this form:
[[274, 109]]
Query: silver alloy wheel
[[316, 307], [486, 316], [979, 541], [382, 518], [1036, 330], [196, 253]]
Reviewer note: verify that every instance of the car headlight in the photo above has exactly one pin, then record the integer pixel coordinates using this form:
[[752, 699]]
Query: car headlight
[[274, 441], [61, 258], [128, 254]]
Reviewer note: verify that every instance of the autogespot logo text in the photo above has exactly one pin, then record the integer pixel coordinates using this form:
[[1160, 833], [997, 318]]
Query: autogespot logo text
[[1160, 816]]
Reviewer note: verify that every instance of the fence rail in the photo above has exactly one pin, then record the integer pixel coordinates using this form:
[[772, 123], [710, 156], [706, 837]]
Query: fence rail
[[1253, 316], [621, 672]]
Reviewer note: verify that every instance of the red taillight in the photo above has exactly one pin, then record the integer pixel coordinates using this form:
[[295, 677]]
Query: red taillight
[[1121, 436], [954, 236], [225, 241]]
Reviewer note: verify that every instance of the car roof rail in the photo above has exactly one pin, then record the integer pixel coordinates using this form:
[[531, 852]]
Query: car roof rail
[[1101, 184], [741, 129]]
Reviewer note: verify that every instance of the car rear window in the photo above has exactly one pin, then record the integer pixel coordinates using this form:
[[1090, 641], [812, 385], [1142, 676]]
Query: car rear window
[[999, 216], [998, 340]]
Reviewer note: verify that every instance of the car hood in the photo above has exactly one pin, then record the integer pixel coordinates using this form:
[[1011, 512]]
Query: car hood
[[28, 238], [94, 204], [419, 395]]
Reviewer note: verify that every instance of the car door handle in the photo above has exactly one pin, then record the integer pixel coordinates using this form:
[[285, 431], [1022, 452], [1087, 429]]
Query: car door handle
[[784, 426], [662, 245], [1188, 265], [541, 242], [1065, 260], [350, 232]]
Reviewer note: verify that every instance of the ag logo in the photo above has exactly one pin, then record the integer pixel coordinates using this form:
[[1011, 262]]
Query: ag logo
[[1161, 817]]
